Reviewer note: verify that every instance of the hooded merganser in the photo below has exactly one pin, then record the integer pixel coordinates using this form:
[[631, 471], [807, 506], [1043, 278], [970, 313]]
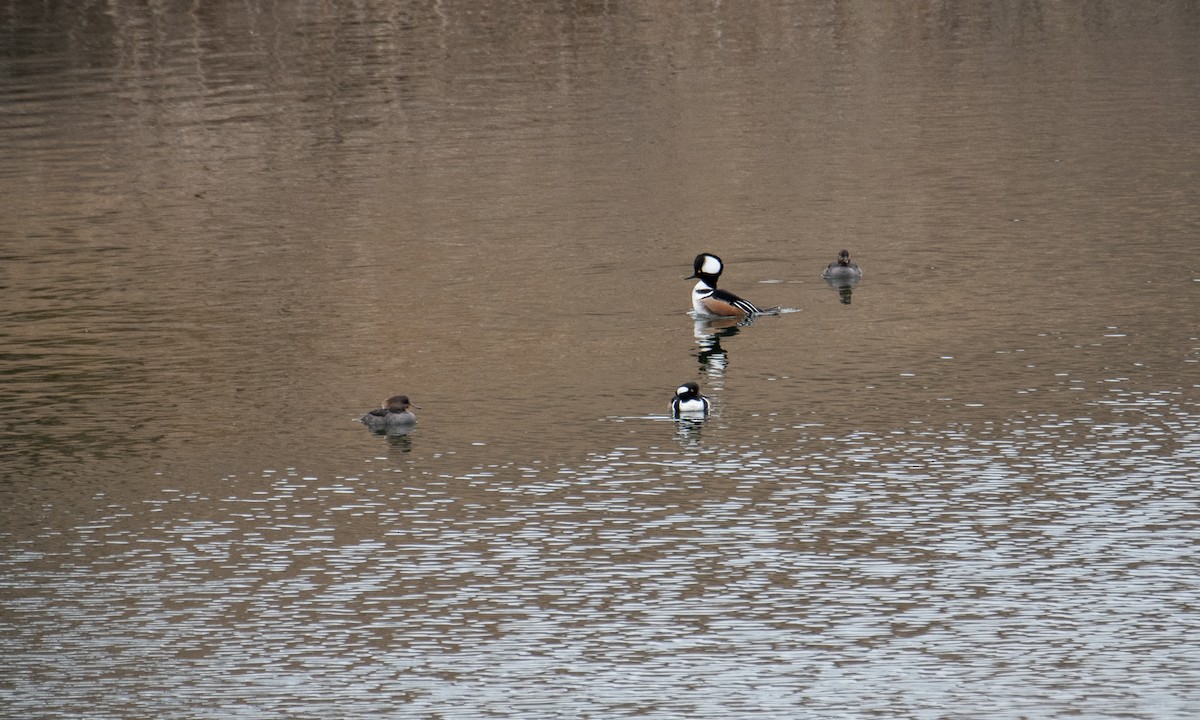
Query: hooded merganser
[[842, 269], [393, 414], [688, 402], [707, 300]]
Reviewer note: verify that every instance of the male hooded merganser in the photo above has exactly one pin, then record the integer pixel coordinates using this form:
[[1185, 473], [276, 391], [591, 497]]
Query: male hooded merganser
[[393, 414], [688, 402], [707, 300], [843, 269]]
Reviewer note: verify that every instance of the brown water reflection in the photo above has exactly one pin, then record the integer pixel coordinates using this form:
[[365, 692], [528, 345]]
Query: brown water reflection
[[231, 228]]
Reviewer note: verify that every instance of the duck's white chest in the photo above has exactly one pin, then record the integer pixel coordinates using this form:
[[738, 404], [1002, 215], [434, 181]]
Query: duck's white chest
[[696, 406], [699, 293]]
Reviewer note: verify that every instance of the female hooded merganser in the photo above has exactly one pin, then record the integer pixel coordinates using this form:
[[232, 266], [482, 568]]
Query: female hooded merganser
[[393, 414], [843, 269], [688, 402], [707, 300]]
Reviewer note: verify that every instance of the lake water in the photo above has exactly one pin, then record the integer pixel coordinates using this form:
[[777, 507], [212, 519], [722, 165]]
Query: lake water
[[967, 487]]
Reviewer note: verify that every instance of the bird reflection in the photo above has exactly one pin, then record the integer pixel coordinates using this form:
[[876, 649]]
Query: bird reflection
[[687, 431], [714, 358], [844, 287], [400, 441]]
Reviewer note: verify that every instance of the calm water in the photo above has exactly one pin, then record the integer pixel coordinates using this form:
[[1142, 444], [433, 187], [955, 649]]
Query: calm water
[[968, 487]]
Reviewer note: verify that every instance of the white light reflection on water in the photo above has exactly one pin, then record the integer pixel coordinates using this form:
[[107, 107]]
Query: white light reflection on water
[[1039, 567]]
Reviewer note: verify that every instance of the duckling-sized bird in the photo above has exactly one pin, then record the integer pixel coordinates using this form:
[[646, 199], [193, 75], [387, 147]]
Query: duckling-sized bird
[[689, 403], [842, 268], [393, 414], [708, 301]]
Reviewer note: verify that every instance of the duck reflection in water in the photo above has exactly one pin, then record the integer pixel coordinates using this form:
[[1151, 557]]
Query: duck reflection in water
[[708, 333], [687, 431], [399, 441], [393, 418], [842, 275], [845, 289]]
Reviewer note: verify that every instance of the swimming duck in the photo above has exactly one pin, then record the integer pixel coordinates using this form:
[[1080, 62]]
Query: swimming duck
[[708, 301], [842, 268], [689, 403], [393, 414]]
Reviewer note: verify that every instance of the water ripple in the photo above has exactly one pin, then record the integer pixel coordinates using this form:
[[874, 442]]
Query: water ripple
[[1000, 570]]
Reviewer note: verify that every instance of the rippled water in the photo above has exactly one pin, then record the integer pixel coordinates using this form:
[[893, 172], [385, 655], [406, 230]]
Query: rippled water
[[965, 487], [1007, 569]]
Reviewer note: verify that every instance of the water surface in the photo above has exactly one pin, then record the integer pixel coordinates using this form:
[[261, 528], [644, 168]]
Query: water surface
[[965, 487]]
